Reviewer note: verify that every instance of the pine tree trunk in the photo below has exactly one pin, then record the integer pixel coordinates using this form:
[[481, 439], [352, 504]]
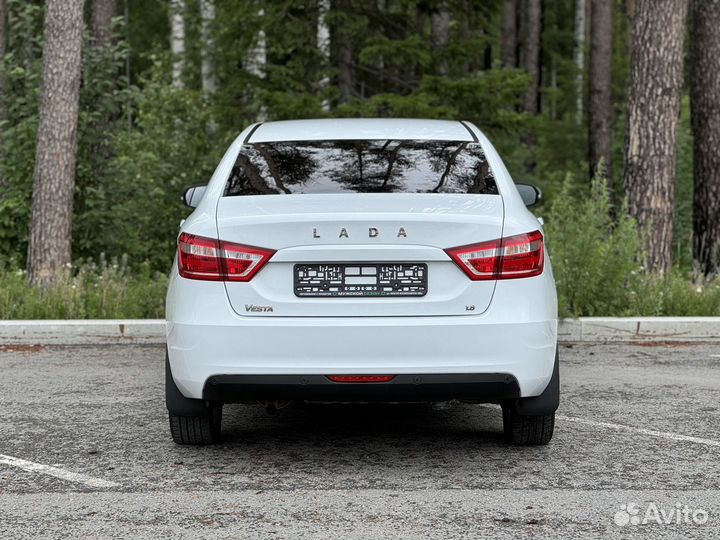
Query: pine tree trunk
[[420, 18], [54, 176], [440, 36], [508, 34], [655, 86], [177, 41], [600, 111], [323, 44], [256, 63], [207, 68], [346, 69], [103, 12], [27, 50], [531, 53], [553, 86], [346, 75], [257, 55], [705, 104], [3, 49], [579, 56], [3, 45], [101, 34]]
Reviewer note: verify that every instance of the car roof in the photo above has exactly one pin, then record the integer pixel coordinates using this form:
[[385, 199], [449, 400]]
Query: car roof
[[329, 129]]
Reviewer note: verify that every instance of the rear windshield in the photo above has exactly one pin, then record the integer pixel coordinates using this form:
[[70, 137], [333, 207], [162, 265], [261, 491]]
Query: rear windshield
[[377, 166]]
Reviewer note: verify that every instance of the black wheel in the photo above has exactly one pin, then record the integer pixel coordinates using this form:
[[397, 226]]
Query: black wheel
[[199, 429], [527, 430], [192, 421]]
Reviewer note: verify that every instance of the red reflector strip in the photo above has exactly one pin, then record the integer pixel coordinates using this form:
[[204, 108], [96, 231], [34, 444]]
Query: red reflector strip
[[361, 378]]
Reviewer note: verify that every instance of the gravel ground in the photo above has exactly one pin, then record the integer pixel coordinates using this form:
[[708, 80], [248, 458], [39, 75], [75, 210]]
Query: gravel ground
[[329, 472]]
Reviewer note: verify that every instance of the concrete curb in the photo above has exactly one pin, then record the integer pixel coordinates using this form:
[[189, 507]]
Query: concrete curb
[[628, 329], [152, 331], [82, 332]]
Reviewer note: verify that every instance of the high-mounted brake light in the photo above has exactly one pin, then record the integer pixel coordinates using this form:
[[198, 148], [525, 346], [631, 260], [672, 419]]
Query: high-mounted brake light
[[361, 378], [513, 257], [216, 260]]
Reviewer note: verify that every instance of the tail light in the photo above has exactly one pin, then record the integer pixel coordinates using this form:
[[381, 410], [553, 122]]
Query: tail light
[[216, 260], [513, 257]]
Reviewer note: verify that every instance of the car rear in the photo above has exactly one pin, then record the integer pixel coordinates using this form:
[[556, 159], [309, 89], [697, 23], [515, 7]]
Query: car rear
[[361, 261]]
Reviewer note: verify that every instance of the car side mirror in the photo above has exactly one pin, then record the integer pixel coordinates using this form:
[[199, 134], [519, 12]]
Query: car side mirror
[[530, 195], [192, 196]]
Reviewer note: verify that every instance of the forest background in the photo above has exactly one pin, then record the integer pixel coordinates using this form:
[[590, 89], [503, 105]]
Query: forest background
[[109, 109]]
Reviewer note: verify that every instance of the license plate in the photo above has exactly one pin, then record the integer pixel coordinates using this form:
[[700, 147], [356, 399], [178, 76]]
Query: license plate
[[366, 279]]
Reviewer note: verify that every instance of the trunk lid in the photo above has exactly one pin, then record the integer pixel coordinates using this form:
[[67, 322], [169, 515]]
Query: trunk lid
[[358, 231]]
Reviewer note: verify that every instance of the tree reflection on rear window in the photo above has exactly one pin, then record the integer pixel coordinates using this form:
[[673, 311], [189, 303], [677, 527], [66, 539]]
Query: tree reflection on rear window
[[375, 166]]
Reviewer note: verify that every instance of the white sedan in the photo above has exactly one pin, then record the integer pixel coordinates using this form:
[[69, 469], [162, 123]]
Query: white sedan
[[361, 260]]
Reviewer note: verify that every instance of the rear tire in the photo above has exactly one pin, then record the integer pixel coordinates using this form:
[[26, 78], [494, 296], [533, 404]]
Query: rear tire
[[199, 430], [527, 430]]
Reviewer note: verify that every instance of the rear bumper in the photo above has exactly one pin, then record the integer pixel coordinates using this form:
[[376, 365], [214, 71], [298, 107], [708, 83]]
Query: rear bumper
[[516, 337], [482, 387], [350, 346]]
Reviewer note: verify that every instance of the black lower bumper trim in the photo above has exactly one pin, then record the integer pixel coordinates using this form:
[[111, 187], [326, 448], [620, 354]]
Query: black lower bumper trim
[[478, 387]]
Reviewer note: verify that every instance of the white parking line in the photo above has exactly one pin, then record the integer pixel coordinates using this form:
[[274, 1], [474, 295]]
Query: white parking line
[[650, 432], [56, 472]]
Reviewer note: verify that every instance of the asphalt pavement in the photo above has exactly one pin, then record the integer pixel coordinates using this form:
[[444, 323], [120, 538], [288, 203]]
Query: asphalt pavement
[[85, 452]]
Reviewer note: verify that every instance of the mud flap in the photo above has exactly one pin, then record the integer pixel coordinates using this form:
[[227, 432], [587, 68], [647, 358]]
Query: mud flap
[[176, 403], [545, 403]]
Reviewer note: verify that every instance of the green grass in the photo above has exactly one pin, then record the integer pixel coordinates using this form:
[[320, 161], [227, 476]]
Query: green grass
[[598, 263], [675, 295], [103, 290]]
